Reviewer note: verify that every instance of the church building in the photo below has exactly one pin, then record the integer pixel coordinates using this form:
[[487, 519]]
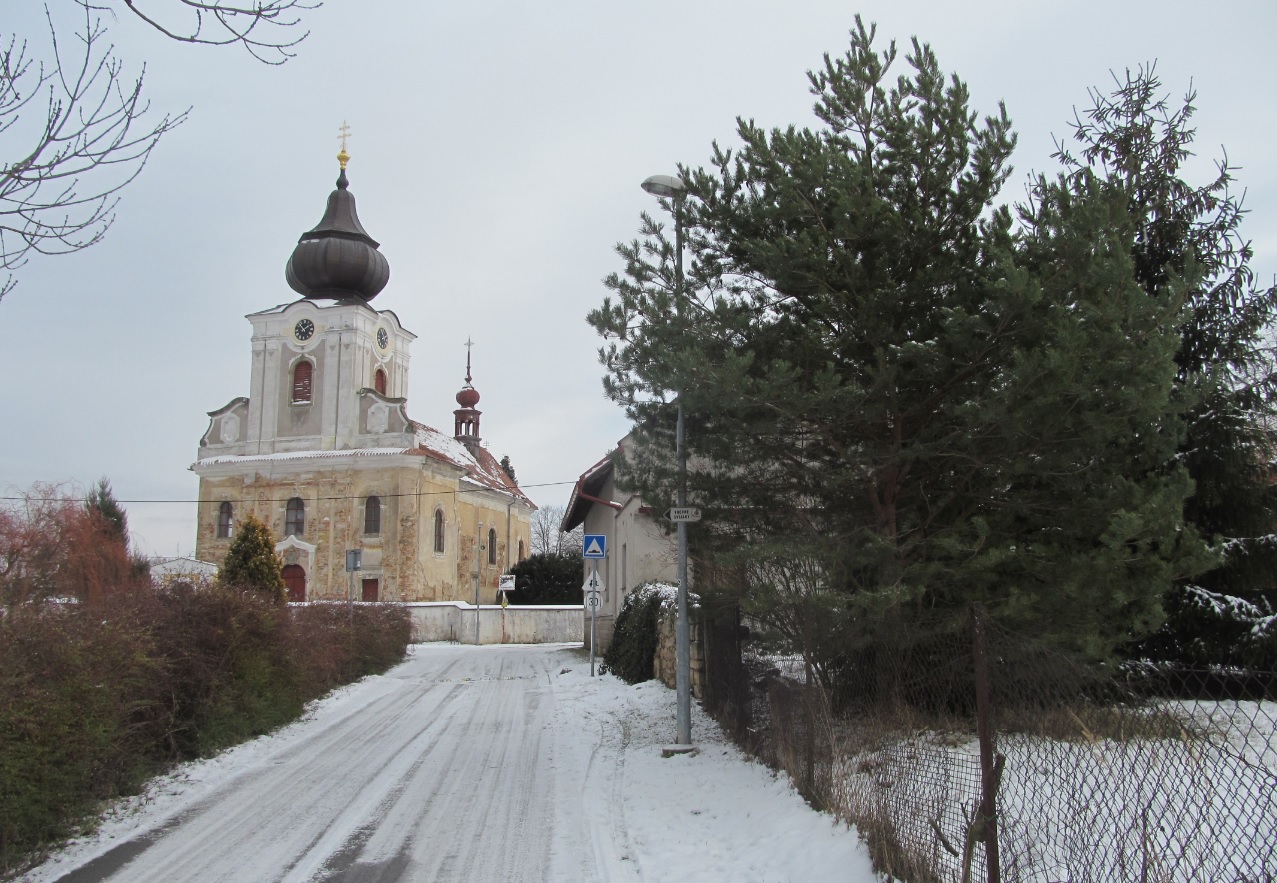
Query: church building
[[323, 451]]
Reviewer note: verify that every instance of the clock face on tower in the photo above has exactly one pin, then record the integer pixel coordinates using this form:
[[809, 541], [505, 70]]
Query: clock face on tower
[[383, 339], [303, 329]]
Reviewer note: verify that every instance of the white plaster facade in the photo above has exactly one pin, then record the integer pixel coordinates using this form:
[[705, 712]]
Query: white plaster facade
[[640, 549]]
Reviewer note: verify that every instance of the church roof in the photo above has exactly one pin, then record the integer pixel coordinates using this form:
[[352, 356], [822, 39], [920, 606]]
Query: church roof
[[481, 467]]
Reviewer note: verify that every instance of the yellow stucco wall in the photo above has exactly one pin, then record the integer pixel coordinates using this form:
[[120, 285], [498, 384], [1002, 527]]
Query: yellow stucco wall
[[402, 555]]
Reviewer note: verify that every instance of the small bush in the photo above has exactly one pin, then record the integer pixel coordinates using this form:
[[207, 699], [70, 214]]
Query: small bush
[[634, 637]]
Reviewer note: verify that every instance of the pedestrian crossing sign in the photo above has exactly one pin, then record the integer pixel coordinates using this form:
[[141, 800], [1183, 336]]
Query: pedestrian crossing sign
[[594, 546]]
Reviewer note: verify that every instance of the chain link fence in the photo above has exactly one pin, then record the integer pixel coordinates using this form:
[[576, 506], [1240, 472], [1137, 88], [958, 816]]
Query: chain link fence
[[1139, 773]]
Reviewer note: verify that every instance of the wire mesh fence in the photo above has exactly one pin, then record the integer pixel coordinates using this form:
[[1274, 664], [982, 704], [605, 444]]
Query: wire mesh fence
[[1139, 773]]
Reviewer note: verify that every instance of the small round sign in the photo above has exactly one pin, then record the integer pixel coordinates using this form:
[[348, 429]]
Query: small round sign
[[594, 600]]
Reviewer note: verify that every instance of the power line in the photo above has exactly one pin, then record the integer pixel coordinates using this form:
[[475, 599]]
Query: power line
[[69, 499]]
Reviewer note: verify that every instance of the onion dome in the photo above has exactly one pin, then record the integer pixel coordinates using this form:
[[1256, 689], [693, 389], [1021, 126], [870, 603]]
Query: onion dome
[[338, 259], [468, 397]]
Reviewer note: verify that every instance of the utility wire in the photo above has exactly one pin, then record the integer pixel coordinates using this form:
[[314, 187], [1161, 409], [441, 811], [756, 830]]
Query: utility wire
[[286, 499]]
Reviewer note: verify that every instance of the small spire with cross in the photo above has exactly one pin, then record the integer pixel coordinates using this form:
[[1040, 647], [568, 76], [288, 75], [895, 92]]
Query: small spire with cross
[[467, 425], [343, 133]]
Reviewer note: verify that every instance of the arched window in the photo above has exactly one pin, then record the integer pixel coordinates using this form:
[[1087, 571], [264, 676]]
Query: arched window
[[379, 381], [302, 373], [295, 518], [372, 516], [225, 522], [523, 552], [438, 530], [492, 546]]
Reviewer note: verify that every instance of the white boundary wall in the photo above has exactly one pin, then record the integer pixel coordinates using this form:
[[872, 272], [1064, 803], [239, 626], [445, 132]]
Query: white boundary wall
[[455, 621]]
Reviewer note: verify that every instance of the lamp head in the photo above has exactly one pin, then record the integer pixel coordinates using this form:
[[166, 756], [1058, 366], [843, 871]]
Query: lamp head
[[665, 185]]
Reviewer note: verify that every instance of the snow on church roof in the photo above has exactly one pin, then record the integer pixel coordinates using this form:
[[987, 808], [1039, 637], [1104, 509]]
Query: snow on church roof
[[481, 469]]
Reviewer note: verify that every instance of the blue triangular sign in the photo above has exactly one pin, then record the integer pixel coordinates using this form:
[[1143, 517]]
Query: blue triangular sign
[[595, 544]]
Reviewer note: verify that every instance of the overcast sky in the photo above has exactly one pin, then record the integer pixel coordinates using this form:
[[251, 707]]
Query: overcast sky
[[497, 150]]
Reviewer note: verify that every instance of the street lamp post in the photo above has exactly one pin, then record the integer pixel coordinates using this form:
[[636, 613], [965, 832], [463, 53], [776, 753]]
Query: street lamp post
[[673, 188]]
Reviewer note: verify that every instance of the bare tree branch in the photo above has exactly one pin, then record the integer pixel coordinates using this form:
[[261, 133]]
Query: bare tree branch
[[263, 27], [95, 137], [76, 121], [547, 539]]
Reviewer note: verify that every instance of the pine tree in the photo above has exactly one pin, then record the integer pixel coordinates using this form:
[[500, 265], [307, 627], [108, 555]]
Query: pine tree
[[251, 562], [101, 500], [893, 392]]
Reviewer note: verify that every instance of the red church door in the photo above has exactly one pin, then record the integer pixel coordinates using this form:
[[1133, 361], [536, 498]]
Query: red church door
[[295, 582], [370, 590]]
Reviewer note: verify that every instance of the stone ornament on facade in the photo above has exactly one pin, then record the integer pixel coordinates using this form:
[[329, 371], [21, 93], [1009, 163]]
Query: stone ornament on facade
[[295, 551], [378, 418], [230, 428]]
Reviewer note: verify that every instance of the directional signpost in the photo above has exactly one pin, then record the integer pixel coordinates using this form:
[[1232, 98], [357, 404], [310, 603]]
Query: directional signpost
[[683, 514], [354, 561]]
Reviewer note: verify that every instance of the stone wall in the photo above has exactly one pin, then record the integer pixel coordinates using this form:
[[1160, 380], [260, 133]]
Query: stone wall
[[455, 621], [665, 663], [604, 628]]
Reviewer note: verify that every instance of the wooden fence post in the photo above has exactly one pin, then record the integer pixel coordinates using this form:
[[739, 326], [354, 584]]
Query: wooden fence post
[[985, 825]]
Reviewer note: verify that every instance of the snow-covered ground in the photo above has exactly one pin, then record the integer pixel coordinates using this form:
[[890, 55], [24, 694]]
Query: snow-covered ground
[[473, 763]]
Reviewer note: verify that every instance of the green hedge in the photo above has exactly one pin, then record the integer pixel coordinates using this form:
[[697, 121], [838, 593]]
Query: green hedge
[[634, 637], [94, 700]]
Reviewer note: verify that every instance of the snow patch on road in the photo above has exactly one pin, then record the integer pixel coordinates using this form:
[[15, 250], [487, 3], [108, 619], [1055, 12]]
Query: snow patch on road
[[624, 812]]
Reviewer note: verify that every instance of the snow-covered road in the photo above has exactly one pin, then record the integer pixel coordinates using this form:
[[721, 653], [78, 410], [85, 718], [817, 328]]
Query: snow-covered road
[[467, 764]]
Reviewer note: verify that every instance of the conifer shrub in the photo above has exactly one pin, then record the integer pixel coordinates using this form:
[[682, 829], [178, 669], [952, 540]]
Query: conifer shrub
[[634, 638], [252, 563]]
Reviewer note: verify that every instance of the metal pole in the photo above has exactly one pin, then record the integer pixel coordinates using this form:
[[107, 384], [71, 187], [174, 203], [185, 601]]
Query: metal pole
[[683, 654], [593, 598], [476, 609]]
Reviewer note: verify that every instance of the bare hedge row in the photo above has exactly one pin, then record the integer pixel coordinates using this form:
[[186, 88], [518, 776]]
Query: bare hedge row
[[98, 697]]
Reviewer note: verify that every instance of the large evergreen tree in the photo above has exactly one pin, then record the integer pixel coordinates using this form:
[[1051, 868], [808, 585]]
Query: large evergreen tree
[[251, 562], [895, 405], [1189, 234]]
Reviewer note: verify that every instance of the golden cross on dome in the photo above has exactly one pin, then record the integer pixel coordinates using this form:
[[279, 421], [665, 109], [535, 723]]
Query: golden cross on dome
[[343, 133]]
